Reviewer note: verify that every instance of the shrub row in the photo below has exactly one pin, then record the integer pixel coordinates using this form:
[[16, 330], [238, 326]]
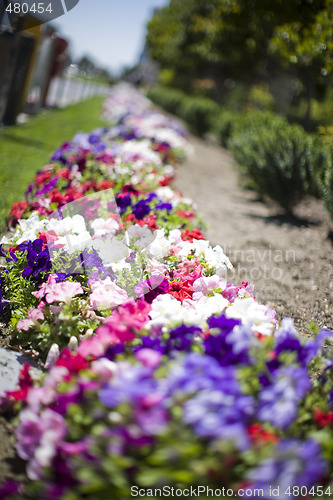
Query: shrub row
[[281, 160], [198, 112]]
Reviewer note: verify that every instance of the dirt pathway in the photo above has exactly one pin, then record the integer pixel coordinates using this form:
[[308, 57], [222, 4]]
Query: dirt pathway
[[290, 262]]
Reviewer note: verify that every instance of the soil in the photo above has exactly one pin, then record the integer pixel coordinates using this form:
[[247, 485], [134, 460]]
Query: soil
[[289, 260]]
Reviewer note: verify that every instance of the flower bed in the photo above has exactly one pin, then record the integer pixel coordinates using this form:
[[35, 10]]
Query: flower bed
[[159, 373]]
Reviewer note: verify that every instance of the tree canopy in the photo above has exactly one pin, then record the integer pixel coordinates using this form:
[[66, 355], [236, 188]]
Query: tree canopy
[[243, 38]]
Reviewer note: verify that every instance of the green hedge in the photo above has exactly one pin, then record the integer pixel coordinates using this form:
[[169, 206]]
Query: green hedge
[[281, 159], [324, 179], [168, 99], [225, 124], [198, 112]]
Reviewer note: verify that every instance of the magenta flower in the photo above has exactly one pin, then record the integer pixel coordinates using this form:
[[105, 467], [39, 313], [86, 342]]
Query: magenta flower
[[38, 436]]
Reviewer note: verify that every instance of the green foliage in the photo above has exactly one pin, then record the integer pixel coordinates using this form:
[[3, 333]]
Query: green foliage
[[325, 180], [307, 42], [224, 125], [232, 39], [169, 99], [280, 158], [198, 112], [260, 98]]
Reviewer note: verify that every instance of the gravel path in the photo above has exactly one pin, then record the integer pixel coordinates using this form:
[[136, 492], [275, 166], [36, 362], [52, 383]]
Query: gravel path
[[289, 261]]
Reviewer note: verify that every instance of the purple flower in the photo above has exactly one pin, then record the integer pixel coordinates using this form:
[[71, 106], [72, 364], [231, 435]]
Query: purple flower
[[293, 463], [286, 339], [196, 372], [151, 287], [3, 303], [123, 201], [141, 209], [229, 346], [163, 206], [38, 260], [47, 187], [9, 488], [278, 400], [180, 339], [137, 387], [217, 414], [38, 436], [135, 382], [94, 138]]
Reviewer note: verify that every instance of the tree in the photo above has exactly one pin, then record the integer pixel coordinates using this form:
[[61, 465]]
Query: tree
[[238, 38], [308, 48]]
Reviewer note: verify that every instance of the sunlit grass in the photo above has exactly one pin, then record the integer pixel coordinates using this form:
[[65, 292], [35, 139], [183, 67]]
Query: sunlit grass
[[26, 148]]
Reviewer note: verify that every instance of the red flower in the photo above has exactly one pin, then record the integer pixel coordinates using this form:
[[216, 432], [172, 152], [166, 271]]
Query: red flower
[[165, 181], [260, 436], [195, 234], [323, 419], [88, 186], [105, 184], [181, 290], [18, 209], [42, 178], [64, 173], [25, 383], [13, 249], [149, 220], [72, 361], [188, 214], [57, 197], [130, 218]]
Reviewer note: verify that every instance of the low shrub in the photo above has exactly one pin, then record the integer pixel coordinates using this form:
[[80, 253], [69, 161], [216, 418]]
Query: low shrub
[[169, 99], [224, 125], [324, 180], [281, 159], [199, 113]]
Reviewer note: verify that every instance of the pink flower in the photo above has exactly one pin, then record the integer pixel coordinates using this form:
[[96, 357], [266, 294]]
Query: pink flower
[[191, 270], [122, 326], [106, 294], [149, 357], [231, 292], [206, 285], [32, 320], [105, 369], [44, 287], [63, 292]]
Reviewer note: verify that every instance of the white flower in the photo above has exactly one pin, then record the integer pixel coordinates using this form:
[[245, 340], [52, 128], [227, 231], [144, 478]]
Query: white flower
[[215, 257], [102, 226], [251, 312], [140, 236], [160, 247], [110, 249]]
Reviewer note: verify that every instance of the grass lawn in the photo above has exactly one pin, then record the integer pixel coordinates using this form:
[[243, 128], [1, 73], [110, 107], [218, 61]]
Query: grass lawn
[[26, 148]]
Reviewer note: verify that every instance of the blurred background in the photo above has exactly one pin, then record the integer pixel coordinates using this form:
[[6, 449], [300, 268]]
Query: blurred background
[[71, 58]]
